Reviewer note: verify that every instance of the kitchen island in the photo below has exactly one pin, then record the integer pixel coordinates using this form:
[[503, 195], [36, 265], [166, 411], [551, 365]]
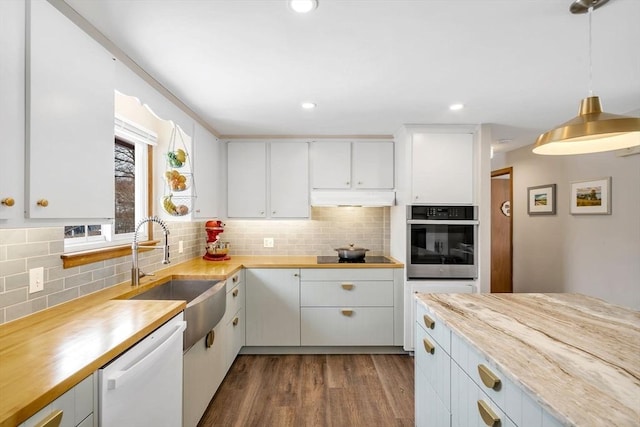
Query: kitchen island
[[46, 354], [575, 357]]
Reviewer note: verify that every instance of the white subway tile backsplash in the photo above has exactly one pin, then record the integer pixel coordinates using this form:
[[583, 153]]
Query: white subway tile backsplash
[[13, 297], [13, 236], [45, 234], [16, 266], [26, 250], [63, 296], [16, 281], [25, 308]]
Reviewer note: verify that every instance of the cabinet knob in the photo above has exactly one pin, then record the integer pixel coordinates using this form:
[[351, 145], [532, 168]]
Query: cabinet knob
[[359, 182], [430, 348], [488, 416], [235, 321], [428, 322], [346, 312], [234, 293], [261, 212], [488, 378], [347, 286], [296, 275], [347, 183], [43, 202], [235, 279], [8, 201], [273, 213]]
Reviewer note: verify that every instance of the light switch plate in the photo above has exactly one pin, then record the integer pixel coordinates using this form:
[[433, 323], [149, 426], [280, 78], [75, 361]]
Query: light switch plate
[[268, 242], [36, 279], [180, 246]]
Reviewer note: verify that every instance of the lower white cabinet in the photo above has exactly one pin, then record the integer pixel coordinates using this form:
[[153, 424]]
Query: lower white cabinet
[[347, 307], [77, 406], [452, 374], [273, 307], [207, 362]]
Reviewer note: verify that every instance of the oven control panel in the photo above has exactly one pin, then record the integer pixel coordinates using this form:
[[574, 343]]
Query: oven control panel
[[460, 213]]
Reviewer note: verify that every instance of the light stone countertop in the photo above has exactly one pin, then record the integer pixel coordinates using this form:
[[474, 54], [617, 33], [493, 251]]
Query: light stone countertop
[[578, 356]]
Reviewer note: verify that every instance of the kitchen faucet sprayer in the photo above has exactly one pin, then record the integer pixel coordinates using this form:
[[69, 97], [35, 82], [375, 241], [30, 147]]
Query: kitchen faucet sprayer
[[136, 274]]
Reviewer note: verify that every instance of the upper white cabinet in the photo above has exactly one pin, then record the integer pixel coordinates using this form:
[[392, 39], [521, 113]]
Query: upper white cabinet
[[364, 165], [206, 172], [69, 119], [12, 39], [442, 168], [268, 180]]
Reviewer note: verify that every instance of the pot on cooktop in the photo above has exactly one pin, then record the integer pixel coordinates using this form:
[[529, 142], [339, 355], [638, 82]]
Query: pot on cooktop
[[351, 252]]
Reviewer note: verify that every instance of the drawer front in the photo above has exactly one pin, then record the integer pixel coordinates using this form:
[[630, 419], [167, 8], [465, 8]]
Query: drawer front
[[235, 301], [429, 409], [346, 274], [235, 336], [346, 293], [433, 326], [346, 326], [469, 404], [435, 363]]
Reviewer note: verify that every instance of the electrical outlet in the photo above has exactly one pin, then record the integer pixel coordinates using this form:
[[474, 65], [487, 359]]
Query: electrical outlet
[[268, 242], [180, 246], [36, 279]]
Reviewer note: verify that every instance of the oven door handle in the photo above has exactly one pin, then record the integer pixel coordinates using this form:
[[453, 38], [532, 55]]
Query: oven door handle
[[441, 222]]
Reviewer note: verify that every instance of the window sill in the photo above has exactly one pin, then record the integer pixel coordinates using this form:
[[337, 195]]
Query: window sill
[[75, 259]]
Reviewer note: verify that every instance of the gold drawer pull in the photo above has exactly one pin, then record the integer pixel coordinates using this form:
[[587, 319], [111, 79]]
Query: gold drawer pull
[[430, 348], [8, 201], [210, 338], [347, 286], [235, 321], [429, 322], [235, 293], [488, 378], [488, 416], [235, 279], [43, 202], [346, 312], [53, 420]]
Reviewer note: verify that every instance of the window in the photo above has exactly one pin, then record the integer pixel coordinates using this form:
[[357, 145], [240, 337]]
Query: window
[[132, 152]]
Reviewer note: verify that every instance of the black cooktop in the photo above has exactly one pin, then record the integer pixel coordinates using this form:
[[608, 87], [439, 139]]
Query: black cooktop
[[365, 260]]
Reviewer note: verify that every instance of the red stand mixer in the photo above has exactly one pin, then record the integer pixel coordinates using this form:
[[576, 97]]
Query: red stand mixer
[[217, 250]]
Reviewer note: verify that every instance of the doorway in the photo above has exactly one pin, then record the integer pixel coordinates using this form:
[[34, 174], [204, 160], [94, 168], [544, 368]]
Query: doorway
[[501, 230]]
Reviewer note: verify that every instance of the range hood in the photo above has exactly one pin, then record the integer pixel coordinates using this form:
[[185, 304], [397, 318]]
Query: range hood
[[353, 198]]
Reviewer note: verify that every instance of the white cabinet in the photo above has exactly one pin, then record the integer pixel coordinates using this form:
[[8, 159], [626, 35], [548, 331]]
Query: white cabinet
[[268, 179], [206, 173], [234, 318], [69, 119], [12, 39], [204, 370], [272, 307], [77, 406], [347, 307], [442, 168], [364, 165], [471, 387]]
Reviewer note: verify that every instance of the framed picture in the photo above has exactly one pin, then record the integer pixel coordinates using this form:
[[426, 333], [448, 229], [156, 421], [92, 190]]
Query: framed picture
[[591, 197], [542, 200]]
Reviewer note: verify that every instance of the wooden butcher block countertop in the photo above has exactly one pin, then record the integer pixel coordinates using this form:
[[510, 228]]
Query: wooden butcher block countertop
[[578, 356], [47, 353]]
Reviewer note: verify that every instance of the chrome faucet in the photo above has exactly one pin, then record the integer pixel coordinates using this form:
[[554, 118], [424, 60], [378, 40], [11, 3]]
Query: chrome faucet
[[136, 274]]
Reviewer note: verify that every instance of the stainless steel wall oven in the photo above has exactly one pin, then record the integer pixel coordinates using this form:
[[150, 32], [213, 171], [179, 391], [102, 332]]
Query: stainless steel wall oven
[[441, 242]]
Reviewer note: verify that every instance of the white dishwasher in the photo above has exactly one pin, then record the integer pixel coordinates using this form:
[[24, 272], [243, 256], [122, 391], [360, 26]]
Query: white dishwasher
[[143, 386]]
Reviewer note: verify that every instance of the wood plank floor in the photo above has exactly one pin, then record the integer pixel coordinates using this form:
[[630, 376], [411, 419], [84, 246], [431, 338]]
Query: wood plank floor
[[315, 390]]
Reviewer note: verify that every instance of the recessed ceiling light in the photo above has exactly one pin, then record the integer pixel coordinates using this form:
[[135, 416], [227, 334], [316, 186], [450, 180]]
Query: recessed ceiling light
[[308, 105], [303, 6], [456, 107]]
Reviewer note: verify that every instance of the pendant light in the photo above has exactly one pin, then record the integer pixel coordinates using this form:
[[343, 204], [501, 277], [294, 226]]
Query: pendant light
[[593, 130]]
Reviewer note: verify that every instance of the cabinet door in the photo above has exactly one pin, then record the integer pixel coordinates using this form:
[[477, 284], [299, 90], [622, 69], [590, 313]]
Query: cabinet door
[[429, 409], [330, 165], [12, 108], [442, 168], [70, 110], [273, 307], [373, 165], [247, 187], [206, 173], [289, 171]]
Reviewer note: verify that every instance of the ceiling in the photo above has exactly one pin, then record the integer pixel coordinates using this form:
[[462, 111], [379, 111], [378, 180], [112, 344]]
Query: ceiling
[[245, 66]]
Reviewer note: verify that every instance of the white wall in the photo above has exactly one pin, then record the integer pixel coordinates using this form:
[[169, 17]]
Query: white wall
[[597, 255]]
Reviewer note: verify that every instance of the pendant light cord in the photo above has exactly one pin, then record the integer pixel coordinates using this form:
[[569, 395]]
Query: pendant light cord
[[590, 55]]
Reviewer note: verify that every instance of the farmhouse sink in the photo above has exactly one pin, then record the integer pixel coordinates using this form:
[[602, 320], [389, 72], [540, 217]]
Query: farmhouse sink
[[206, 304]]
